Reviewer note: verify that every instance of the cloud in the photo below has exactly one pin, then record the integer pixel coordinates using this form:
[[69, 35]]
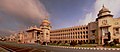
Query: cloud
[[88, 18], [4, 32], [19, 14], [112, 5], [29, 8]]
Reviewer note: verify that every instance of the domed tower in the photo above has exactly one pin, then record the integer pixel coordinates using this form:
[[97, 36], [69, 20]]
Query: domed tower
[[45, 24], [45, 27], [104, 25], [103, 13]]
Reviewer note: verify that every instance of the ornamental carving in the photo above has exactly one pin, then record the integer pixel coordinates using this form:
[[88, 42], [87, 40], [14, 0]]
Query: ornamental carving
[[116, 23], [104, 22]]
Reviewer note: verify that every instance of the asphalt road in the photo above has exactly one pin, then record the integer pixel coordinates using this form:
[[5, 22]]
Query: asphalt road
[[38, 48]]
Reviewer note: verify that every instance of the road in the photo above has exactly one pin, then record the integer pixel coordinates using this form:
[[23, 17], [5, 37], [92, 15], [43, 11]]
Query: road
[[13, 47]]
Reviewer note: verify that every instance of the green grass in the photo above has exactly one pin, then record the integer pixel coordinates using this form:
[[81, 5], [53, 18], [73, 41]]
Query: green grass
[[83, 45], [64, 44], [60, 44], [87, 45]]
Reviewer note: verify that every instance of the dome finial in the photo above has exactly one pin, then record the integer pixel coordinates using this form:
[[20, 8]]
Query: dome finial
[[103, 6], [45, 20], [46, 17]]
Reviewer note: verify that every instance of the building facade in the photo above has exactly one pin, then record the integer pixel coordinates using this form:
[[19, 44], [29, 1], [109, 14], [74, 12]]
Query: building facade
[[108, 28], [34, 34], [66, 35], [104, 29]]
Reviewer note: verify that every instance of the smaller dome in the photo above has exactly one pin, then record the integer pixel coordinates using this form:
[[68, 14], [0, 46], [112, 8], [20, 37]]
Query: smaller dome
[[104, 10], [45, 21]]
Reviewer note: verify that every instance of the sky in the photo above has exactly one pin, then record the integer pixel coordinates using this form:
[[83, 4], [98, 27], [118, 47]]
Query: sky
[[18, 15]]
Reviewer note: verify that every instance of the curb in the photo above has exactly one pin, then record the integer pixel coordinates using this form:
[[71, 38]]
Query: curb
[[87, 48]]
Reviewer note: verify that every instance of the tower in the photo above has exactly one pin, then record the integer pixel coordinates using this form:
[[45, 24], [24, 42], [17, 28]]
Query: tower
[[103, 13], [45, 27], [104, 25]]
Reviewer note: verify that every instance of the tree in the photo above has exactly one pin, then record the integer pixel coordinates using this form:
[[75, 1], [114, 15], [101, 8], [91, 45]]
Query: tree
[[109, 36], [44, 43], [116, 41]]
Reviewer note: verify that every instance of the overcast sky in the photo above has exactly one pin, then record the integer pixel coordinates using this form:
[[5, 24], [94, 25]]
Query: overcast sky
[[17, 15]]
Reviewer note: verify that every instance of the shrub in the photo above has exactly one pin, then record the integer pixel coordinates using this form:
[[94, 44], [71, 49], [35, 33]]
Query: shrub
[[44, 43], [106, 44], [55, 42], [73, 43], [112, 43], [116, 41], [59, 42], [109, 44], [79, 42]]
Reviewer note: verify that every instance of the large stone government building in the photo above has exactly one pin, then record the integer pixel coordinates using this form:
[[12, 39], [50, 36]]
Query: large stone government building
[[66, 35], [105, 28], [33, 34]]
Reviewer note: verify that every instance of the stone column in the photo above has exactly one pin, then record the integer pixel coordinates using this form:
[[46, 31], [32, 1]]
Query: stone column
[[35, 35], [99, 36]]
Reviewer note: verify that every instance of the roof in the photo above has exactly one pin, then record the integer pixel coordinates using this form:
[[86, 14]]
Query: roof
[[45, 20], [33, 29], [104, 9], [29, 30]]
